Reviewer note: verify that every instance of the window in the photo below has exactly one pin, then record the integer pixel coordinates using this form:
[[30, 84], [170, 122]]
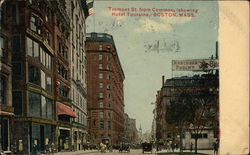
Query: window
[[100, 76], [108, 58], [100, 57], [100, 66], [109, 105], [204, 135], [108, 68], [109, 115], [29, 46], [2, 13], [101, 104], [109, 95], [17, 102], [48, 84], [2, 89], [43, 107], [34, 75], [101, 115], [108, 86], [34, 104], [100, 85], [100, 95], [16, 43], [17, 71], [34, 24], [102, 125], [108, 77], [94, 122], [109, 125], [15, 13], [43, 80], [3, 52], [100, 47], [108, 48]]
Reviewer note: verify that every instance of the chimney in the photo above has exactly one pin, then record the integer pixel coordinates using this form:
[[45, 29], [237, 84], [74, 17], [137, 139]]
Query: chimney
[[163, 80], [216, 52]]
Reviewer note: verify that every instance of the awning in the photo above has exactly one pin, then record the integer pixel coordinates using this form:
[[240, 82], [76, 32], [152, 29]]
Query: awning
[[6, 113], [62, 109]]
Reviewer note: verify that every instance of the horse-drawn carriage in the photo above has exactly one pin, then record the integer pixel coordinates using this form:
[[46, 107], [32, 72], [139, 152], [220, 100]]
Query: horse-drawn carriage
[[124, 147], [147, 147]]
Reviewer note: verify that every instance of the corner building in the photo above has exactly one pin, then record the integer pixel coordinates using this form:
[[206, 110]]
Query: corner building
[[105, 90], [35, 32]]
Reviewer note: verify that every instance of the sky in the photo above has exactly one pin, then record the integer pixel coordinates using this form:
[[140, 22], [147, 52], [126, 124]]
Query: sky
[[146, 45]]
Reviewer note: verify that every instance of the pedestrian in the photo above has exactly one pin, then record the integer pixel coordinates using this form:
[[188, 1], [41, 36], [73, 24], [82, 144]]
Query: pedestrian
[[172, 146], [191, 147], [216, 146]]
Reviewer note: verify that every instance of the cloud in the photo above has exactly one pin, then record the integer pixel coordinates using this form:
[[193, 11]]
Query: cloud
[[149, 25], [164, 25]]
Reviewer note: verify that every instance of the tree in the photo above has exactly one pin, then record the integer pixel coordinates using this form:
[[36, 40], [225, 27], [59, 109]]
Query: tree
[[202, 104], [178, 114]]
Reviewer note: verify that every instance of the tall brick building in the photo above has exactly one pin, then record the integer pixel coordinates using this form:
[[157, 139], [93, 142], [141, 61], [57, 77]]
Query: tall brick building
[[105, 89]]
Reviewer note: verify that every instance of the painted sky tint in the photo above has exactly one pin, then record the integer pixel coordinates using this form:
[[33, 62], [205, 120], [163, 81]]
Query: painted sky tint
[[178, 38]]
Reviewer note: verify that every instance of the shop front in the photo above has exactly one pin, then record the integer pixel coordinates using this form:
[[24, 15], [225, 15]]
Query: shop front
[[5, 131], [41, 137]]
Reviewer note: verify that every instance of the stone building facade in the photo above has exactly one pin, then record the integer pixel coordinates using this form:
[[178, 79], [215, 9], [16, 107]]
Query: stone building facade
[[105, 90], [78, 12]]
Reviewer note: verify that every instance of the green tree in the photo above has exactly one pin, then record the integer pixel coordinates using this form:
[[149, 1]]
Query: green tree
[[202, 104]]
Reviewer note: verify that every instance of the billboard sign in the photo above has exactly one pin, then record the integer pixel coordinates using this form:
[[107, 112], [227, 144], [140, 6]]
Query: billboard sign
[[195, 65]]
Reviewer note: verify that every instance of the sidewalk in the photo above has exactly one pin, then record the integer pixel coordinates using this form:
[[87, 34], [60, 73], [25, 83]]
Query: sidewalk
[[80, 152], [210, 152]]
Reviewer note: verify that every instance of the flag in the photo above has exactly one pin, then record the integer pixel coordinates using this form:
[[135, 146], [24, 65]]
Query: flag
[[90, 7]]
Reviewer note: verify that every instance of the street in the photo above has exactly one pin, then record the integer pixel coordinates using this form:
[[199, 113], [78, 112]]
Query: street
[[116, 152]]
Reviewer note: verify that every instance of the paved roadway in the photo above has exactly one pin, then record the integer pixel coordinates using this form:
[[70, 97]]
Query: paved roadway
[[116, 152]]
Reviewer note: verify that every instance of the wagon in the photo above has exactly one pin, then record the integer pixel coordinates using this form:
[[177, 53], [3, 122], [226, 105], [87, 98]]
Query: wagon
[[147, 147], [124, 147]]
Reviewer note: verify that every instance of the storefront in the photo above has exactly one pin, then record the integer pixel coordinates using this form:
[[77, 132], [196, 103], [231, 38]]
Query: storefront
[[41, 137], [5, 130], [64, 139]]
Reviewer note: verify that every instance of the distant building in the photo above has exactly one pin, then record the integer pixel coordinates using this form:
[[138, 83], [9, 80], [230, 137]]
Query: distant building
[[130, 131], [105, 90]]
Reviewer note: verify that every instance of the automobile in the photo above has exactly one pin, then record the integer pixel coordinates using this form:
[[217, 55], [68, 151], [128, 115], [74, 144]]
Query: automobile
[[124, 147], [147, 147]]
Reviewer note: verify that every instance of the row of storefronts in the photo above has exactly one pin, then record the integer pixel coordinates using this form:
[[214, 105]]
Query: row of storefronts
[[40, 107]]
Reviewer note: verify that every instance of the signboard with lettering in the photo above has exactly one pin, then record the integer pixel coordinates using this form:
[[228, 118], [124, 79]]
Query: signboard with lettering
[[195, 65]]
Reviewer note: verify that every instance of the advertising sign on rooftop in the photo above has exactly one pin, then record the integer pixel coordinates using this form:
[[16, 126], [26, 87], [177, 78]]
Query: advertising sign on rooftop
[[195, 65]]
